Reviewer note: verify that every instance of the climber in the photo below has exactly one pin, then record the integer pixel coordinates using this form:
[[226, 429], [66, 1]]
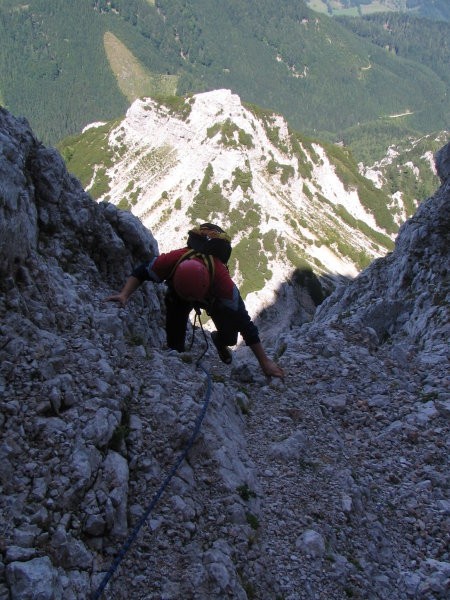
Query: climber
[[197, 277]]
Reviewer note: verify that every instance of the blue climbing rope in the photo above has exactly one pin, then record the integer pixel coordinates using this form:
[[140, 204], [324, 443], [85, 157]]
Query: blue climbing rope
[[158, 494]]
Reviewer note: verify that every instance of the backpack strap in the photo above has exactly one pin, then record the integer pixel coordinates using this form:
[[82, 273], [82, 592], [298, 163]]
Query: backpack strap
[[209, 263]]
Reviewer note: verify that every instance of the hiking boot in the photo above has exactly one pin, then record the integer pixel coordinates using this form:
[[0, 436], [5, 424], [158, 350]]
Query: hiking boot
[[223, 351]]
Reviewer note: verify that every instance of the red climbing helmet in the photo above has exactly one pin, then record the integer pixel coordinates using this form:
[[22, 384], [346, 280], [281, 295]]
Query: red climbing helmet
[[191, 280]]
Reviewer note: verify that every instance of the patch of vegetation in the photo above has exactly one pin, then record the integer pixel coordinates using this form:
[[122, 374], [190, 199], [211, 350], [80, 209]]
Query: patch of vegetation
[[268, 119], [285, 171], [242, 179], [269, 240], [124, 204], [373, 199], [307, 191], [218, 378], [370, 140], [410, 171], [304, 165], [295, 256], [245, 492], [153, 161], [252, 261], [246, 216], [120, 434], [245, 139], [231, 136], [209, 201], [133, 78], [186, 358], [213, 130], [252, 520], [177, 106], [375, 236], [243, 405], [130, 186], [262, 114], [338, 244], [134, 196], [89, 156], [122, 431], [165, 216], [281, 349]]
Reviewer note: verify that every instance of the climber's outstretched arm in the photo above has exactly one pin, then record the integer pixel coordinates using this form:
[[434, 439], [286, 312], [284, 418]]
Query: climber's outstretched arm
[[269, 367], [131, 285]]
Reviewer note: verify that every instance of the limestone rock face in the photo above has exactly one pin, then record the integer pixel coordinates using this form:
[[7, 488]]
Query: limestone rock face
[[330, 483]]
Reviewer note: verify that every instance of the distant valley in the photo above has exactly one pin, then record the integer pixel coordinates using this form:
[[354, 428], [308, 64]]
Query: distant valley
[[332, 79]]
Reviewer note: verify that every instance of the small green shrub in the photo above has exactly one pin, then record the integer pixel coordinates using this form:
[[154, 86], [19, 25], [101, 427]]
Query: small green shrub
[[242, 179], [245, 492], [123, 204], [177, 105], [252, 520]]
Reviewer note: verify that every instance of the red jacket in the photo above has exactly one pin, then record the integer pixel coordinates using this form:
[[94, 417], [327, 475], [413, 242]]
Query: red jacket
[[223, 290]]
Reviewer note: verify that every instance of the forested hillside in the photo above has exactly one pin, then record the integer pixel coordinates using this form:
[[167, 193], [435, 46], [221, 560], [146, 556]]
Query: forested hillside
[[403, 36], [52, 73], [428, 9], [278, 55], [407, 171]]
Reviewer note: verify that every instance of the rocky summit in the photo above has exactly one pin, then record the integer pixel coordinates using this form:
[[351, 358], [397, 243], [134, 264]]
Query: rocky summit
[[330, 484]]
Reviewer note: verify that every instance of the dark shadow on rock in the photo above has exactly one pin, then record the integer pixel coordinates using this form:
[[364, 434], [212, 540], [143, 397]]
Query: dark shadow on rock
[[296, 301]]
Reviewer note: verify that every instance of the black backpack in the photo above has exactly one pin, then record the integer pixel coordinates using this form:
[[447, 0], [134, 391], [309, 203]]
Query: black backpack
[[218, 244]]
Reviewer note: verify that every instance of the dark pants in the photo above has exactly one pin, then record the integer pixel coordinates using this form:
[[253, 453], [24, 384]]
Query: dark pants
[[177, 316]]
